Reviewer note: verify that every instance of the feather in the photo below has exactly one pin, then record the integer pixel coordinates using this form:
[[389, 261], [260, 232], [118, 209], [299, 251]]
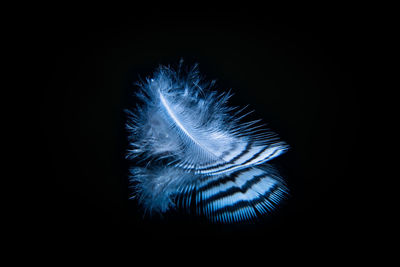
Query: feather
[[190, 141]]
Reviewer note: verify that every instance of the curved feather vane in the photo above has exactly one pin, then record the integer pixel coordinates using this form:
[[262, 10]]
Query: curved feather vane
[[185, 130], [241, 195]]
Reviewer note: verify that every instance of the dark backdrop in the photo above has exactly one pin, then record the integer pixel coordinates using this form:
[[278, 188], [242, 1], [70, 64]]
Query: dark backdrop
[[300, 72]]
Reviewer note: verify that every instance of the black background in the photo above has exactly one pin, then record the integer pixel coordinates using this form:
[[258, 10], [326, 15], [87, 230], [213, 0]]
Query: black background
[[300, 71]]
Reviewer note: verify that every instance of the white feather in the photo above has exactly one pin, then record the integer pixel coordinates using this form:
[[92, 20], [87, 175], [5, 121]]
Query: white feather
[[191, 133]]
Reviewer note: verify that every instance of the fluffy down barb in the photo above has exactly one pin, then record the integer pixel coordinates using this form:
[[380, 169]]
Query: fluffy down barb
[[187, 141]]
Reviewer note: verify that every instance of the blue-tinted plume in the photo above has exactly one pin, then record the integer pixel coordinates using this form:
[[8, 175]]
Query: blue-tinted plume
[[187, 142]]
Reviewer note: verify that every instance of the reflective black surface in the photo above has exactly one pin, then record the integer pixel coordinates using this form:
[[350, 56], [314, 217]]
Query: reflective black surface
[[300, 72]]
